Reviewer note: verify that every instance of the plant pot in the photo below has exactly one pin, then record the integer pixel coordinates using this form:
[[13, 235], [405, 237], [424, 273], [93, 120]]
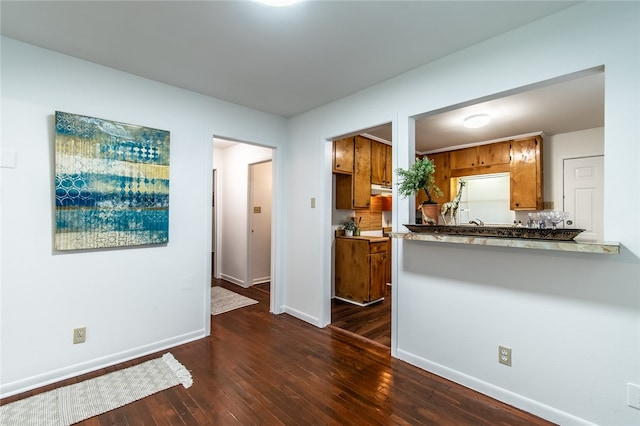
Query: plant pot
[[356, 233], [348, 233], [430, 214]]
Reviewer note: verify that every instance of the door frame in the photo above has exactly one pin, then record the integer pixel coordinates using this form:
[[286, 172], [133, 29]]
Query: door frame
[[276, 288]]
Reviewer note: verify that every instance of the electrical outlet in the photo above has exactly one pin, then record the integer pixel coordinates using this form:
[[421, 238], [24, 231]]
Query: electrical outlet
[[633, 395], [79, 335], [504, 355]]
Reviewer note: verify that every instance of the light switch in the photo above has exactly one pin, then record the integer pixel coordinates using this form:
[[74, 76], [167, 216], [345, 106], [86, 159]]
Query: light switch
[[313, 202], [257, 209]]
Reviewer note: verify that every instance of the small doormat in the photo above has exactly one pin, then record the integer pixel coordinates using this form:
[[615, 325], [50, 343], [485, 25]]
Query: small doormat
[[77, 402], [223, 300]]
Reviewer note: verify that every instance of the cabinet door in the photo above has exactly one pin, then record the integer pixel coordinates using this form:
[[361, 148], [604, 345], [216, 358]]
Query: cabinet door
[[526, 174], [352, 269], [495, 153], [378, 264], [381, 163], [463, 158], [442, 176], [343, 156], [378, 163], [362, 173], [388, 174]]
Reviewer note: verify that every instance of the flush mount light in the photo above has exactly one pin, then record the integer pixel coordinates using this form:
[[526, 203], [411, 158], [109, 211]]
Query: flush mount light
[[278, 3], [476, 120]]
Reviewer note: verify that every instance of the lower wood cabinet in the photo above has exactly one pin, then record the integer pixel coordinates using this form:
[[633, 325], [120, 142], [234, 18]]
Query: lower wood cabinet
[[361, 268]]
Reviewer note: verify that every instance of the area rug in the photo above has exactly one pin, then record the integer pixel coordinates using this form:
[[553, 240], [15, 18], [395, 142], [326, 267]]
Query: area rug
[[223, 300], [73, 403]]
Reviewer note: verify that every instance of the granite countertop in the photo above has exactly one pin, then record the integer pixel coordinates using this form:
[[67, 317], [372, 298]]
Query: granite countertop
[[598, 247]]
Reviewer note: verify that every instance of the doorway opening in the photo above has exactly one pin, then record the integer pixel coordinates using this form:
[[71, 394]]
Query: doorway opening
[[243, 198], [361, 268]]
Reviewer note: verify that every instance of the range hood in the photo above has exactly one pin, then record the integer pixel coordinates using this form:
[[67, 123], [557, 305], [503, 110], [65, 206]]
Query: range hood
[[380, 190]]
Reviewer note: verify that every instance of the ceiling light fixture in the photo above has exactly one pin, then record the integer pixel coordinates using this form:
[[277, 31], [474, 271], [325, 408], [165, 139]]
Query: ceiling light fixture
[[476, 120], [278, 3]]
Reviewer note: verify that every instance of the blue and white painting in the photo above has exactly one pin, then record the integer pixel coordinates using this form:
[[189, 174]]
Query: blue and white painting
[[112, 183]]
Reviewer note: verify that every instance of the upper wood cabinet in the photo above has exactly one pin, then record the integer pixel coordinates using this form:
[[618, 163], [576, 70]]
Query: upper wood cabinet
[[482, 155], [521, 158], [343, 155], [495, 153], [354, 191], [381, 164], [526, 174]]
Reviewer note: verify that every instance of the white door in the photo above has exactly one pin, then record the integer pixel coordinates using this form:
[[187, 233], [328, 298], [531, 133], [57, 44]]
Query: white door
[[260, 216], [584, 195]]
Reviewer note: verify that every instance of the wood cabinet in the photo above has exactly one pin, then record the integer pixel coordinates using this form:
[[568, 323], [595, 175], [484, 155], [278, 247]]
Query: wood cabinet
[[442, 177], [526, 174], [381, 164], [361, 269], [343, 152], [521, 158], [354, 191], [481, 158]]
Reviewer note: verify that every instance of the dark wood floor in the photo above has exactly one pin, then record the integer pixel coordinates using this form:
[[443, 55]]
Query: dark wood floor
[[371, 322], [262, 369]]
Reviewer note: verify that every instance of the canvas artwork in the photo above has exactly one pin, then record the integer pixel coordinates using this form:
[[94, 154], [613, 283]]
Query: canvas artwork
[[112, 183]]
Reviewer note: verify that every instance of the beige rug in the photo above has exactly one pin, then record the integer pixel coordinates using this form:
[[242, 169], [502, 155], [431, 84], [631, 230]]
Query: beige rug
[[223, 300], [73, 403]]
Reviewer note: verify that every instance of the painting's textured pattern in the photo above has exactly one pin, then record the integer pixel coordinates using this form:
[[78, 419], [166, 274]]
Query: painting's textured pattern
[[112, 183]]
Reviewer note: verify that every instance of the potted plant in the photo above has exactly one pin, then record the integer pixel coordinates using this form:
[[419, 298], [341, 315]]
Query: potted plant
[[350, 227], [420, 176]]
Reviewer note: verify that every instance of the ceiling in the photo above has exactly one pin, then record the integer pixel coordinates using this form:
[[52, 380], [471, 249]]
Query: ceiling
[[567, 104], [286, 61]]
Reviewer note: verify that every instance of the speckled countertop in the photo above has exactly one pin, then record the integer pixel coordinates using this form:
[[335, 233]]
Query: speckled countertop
[[598, 247]]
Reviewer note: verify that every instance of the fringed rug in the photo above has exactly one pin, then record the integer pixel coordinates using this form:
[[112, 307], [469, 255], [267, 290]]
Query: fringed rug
[[73, 403], [223, 300]]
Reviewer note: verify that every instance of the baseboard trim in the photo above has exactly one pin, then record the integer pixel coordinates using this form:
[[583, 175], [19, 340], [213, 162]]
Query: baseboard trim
[[503, 395], [234, 280], [44, 379], [301, 316]]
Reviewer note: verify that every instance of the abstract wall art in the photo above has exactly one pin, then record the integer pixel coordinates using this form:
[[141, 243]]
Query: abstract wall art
[[112, 183]]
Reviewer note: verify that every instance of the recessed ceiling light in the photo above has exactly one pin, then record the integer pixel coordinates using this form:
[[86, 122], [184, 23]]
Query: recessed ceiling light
[[476, 120], [278, 3]]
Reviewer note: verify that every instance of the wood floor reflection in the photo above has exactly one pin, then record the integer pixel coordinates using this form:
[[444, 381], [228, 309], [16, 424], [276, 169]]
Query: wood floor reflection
[[371, 322]]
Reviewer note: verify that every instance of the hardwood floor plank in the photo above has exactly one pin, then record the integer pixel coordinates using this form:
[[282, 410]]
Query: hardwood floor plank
[[262, 369]]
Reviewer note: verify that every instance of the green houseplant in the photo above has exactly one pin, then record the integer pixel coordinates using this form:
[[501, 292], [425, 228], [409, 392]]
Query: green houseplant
[[421, 177], [350, 227]]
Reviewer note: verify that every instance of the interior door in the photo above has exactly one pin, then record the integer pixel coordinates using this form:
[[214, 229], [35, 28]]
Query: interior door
[[584, 195], [260, 214]]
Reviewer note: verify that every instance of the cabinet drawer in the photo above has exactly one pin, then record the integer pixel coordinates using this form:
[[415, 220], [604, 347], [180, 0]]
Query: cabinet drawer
[[378, 247]]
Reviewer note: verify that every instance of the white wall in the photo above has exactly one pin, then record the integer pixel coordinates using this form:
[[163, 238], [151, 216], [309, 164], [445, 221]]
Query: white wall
[[133, 301], [573, 320], [233, 208]]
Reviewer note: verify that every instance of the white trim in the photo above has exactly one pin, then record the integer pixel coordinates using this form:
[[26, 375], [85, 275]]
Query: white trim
[[53, 376], [519, 401]]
